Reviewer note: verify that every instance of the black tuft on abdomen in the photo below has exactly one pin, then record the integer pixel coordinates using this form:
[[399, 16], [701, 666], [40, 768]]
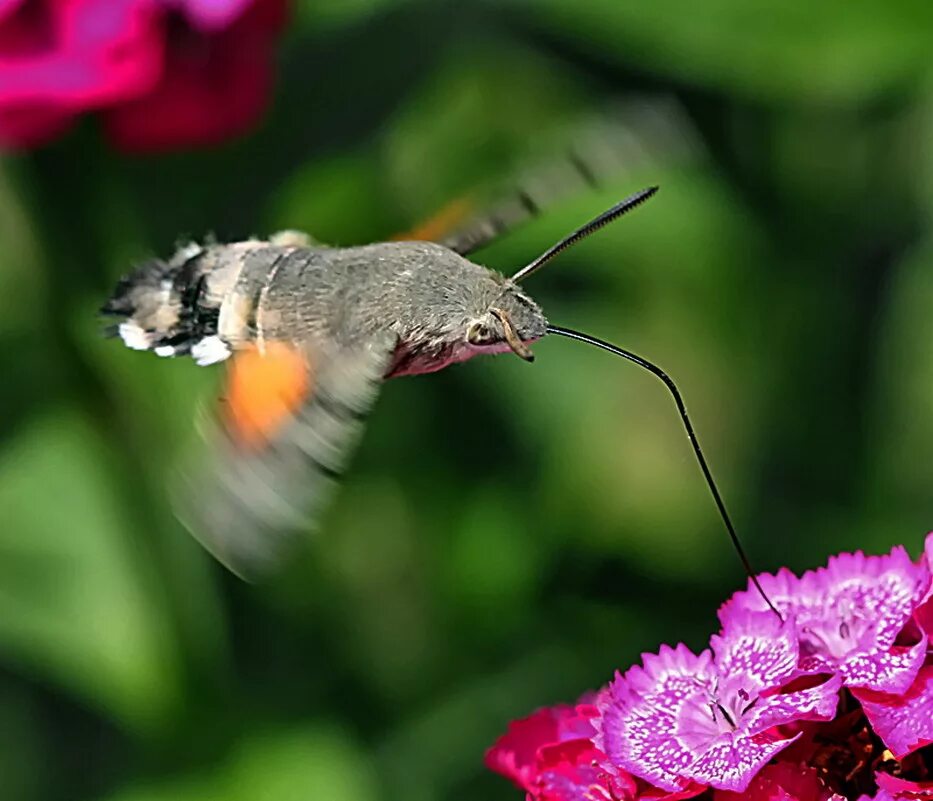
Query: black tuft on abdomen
[[159, 305]]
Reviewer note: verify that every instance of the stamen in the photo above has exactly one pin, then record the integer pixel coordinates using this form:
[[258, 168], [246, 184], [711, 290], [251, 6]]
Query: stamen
[[725, 714]]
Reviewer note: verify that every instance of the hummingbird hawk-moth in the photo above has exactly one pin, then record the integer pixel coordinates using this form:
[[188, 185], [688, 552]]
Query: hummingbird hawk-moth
[[310, 332]]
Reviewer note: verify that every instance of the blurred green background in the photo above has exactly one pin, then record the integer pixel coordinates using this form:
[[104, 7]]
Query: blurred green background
[[509, 534]]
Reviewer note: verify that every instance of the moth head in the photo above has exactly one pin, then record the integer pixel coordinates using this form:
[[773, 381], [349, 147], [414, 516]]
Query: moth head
[[511, 322], [513, 319]]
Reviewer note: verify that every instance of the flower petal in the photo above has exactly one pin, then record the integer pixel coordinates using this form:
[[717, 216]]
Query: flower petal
[[732, 763], [894, 670], [639, 716], [903, 722], [814, 703], [888, 588], [568, 772], [756, 645], [216, 85], [7, 7], [32, 126], [210, 14], [849, 616], [105, 50], [514, 754], [781, 781], [896, 788]]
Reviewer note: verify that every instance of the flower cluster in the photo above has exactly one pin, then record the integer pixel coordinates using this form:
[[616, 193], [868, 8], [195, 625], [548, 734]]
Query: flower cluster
[[162, 73], [831, 700]]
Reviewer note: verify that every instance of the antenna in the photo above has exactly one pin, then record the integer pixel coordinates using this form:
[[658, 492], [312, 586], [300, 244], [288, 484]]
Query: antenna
[[621, 208], [691, 434]]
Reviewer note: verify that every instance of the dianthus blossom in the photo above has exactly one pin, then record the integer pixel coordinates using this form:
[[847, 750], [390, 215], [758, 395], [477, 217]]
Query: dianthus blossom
[[833, 701], [162, 73]]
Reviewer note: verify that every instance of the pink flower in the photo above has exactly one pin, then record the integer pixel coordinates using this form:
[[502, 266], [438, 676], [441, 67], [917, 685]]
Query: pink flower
[[209, 15], [924, 613], [550, 754], [852, 617], [711, 719], [891, 787], [166, 72], [903, 722], [59, 59], [755, 715], [515, 754], [216, 83], [783, 781]]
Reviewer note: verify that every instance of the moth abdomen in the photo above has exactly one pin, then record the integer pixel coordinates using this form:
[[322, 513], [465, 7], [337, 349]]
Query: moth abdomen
[[160, 304]]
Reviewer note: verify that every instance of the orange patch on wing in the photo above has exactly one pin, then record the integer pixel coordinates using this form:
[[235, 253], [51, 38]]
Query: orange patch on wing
[[438, 226], [264, 390]]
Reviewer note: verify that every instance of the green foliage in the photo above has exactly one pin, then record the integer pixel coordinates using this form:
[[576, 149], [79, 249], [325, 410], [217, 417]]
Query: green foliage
[[509, 534], [285, 765]]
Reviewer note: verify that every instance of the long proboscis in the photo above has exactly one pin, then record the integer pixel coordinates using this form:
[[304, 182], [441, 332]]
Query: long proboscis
[[691, 435]]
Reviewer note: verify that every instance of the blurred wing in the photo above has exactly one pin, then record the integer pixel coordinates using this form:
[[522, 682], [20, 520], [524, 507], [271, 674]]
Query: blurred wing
[[291, 418], [634, 137], [439, 226]]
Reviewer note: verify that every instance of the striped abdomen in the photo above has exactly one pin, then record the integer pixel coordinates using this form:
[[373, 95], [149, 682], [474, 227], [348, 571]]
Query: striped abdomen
[[199, 302]]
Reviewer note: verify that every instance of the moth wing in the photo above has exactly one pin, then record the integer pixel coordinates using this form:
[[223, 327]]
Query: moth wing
[[632, 137], [291, 419], [439, 226]]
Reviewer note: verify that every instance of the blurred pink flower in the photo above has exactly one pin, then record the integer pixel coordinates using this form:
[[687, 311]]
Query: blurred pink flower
[[209, 14], [58, 59], [216, 82], [166, 73]]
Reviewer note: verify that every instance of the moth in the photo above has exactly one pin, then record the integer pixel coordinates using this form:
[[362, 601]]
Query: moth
[[310, 333]]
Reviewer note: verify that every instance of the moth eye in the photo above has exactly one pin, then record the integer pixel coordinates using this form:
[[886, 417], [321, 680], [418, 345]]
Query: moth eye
[[479, 334]]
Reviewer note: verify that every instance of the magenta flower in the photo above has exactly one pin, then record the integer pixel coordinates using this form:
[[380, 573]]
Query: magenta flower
[[924, 613], [217, 78], [891, 787], [550, 754], [209, 15], [568, 772], [59, 59], [755, 716], [711, 719], [852, 617], [515, 754], [904, 722], [166, 73]]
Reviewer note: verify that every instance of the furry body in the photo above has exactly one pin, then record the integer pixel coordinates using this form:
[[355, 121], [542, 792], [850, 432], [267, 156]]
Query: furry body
[[207, 302], [311, 332]]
